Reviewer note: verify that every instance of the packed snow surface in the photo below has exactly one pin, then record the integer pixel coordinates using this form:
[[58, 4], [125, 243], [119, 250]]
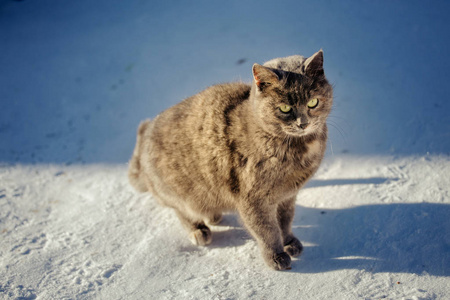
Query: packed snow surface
[[372, 228], [77, 77]]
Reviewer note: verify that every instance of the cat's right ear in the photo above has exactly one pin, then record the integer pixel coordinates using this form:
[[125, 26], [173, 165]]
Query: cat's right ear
[[313, 66], [264, 77]]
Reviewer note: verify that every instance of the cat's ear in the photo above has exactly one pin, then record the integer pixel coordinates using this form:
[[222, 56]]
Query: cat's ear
[[264, 77], [313, 66]]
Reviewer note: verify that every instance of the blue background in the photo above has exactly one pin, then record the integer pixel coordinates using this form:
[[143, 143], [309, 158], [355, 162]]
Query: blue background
[[76, 77]]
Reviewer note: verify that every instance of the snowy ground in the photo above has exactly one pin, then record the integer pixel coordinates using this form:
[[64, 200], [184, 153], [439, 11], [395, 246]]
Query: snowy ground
[[373, 228], [77, 77]]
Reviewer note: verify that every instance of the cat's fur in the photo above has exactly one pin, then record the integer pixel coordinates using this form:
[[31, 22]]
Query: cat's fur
[[231, 148]]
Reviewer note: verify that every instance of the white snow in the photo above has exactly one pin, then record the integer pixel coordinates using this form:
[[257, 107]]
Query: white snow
[[77, 77]]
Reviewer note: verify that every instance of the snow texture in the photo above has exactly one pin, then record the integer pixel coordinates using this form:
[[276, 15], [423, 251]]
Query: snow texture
[[77, 77]]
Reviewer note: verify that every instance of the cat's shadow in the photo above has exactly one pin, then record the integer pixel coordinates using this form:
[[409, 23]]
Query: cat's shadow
[[349, 181], [405, 238], [229, 233]]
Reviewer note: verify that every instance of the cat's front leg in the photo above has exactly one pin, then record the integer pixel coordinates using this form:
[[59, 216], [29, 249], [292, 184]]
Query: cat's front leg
[[286, 212], [262, 222]]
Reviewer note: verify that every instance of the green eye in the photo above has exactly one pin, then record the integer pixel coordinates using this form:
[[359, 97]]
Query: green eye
[[285, 108], [313, 103]]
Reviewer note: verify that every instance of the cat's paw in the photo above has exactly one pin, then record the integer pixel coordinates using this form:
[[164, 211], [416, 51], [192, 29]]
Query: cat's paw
[[214, 220], [294, 248], [280, 261], [201, 236]]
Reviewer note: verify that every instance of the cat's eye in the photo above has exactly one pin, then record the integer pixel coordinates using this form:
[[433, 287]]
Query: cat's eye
[[285, 108], [313, 103]]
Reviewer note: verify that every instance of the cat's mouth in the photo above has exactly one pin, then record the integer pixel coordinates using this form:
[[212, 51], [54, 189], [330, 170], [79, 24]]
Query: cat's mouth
[[297, 131]]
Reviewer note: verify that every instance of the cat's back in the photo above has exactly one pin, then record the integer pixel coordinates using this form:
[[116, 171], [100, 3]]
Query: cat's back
[[203, 113], [213, 101], [181, 140]]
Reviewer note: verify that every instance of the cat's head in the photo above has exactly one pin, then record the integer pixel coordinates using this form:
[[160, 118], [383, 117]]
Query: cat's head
[[291, 96]]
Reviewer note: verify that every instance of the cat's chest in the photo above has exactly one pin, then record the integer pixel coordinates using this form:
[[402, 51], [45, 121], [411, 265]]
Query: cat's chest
[[299, 156], [283, 174]]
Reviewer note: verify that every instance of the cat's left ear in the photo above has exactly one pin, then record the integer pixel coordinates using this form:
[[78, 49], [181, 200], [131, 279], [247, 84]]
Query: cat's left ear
[[264, 76], [314, 65]]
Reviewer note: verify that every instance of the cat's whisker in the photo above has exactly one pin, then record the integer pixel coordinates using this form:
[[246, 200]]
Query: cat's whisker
[[341, 119], [336, 117], [331, 147], [338, 129]]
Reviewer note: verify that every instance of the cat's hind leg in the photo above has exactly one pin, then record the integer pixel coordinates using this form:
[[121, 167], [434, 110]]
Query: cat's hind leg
[[199, 233], [286, 212]]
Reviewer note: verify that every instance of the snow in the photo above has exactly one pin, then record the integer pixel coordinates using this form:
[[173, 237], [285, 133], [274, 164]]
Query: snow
[[77, 77]]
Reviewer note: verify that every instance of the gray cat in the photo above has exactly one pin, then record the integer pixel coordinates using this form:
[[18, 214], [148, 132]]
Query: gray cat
[[240, 147]]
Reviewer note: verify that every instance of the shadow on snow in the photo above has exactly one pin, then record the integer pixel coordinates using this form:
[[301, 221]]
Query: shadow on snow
[[406, 238]]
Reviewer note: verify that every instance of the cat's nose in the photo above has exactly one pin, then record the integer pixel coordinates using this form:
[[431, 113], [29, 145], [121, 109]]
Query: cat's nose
[[303, 125]]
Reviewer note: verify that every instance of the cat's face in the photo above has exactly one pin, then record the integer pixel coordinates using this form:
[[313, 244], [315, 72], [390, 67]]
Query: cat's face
[[291, 103]]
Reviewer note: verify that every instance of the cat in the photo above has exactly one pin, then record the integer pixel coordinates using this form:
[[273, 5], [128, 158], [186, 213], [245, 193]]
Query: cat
[[242, 147]]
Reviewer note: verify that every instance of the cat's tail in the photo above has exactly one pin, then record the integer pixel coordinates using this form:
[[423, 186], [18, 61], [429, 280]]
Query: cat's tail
[[135, 172]]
